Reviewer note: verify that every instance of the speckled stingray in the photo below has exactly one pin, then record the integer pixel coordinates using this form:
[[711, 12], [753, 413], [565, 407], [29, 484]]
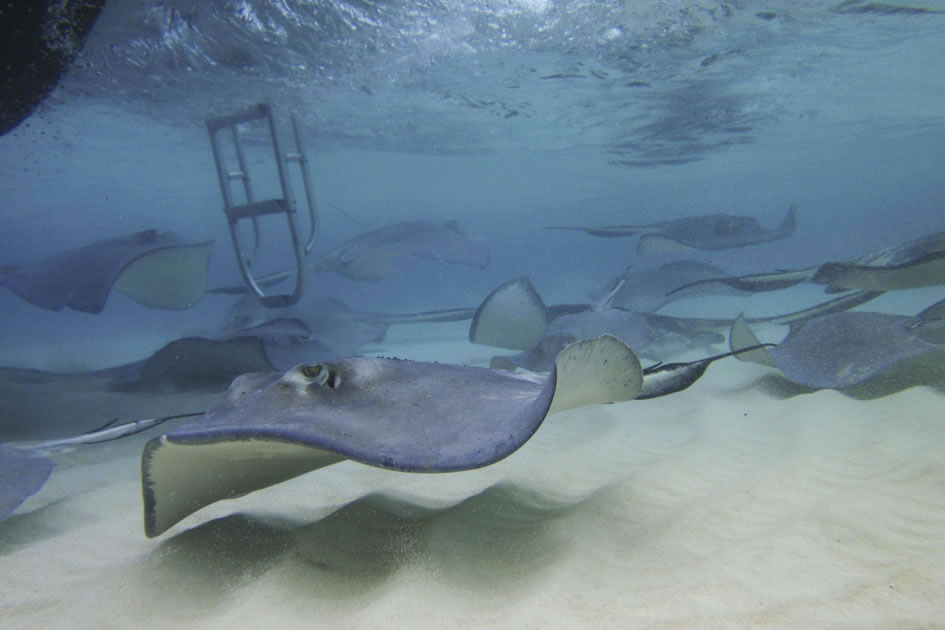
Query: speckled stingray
[[156, 269], [709, 232], [843, 349], [395, 414]]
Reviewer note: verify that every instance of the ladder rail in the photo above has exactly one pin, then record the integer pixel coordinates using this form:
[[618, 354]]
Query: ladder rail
[[253, 209]]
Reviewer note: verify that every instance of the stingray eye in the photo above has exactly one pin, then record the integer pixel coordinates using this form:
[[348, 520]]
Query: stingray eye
[[311, 371], [320, 374]]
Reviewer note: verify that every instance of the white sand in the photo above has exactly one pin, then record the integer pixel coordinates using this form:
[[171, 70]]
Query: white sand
[[727, 505]]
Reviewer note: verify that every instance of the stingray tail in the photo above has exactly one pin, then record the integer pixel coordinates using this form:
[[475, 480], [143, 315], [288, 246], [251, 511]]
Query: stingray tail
[[108, 433]]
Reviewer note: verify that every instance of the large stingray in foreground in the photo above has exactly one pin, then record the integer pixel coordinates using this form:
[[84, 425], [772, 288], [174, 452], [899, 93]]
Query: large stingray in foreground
[[843, 349], [156, 269], [396, 414], [709, 232]]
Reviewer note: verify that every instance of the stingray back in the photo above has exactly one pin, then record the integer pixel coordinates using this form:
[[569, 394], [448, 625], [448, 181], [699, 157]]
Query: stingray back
[[843, 349]]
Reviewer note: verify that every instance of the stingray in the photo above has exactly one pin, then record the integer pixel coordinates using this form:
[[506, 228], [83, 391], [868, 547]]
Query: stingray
[[650, 290], [913, 264], [708, 232], [882, 8], [24, 469], [843, 349], [327, 326], [156, 269], [514, 316], [184, 375], [395, 414], [377, 254], [324, 327]]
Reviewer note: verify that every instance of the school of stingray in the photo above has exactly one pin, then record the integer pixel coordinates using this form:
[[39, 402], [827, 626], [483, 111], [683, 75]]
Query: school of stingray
[[284, 392]]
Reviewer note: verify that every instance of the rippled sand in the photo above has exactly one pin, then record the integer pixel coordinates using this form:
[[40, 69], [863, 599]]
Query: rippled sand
[[742, 501]]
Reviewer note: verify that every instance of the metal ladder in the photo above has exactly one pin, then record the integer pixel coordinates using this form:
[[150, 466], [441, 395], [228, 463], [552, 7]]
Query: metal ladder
[[253, 209]]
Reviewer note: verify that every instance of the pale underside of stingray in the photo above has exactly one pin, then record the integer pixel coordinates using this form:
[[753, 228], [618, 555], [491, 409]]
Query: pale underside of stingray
[[843, 349], [913, 264], [708, 232], [395, 414], [156, 269]]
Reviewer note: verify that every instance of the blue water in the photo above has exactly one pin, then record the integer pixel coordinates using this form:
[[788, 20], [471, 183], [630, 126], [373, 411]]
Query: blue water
[[504, 115]]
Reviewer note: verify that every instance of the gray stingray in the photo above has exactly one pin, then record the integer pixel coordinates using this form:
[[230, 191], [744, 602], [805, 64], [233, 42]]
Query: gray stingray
[[183, 375], [156, 269], [395, 414], [650, 290], [325, 324], [376, 254], [882, 8], [843, 349], [708, 232], [24, 469], [913, 264], [323, 327], [514, 316]]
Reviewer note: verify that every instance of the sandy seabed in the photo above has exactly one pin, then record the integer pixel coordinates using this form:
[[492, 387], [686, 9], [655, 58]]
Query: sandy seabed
[[743, 501]]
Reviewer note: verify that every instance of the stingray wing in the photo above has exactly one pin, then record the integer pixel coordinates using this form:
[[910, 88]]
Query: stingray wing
[[158, 269], [22, 474], [390, 413]]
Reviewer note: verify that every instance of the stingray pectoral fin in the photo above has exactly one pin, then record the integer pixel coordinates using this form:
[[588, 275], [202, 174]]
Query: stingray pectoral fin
[[171, 278], [741, 337], [936, 311], [596, 371], [513, 316], [652, 243], [22, 474], [788, 225], [180, 478]]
